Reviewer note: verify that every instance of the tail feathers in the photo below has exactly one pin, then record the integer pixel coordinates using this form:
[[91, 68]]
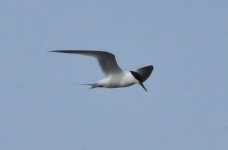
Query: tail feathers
[[92, 85]]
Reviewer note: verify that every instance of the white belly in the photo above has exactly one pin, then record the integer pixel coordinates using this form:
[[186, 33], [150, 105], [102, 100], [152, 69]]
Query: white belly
[[118, 80]]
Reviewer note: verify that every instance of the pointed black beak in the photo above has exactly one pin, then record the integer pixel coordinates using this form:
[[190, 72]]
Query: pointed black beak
[[143, 86]]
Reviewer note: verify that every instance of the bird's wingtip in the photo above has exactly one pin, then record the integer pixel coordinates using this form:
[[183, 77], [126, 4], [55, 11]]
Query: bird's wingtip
[[52, 51]]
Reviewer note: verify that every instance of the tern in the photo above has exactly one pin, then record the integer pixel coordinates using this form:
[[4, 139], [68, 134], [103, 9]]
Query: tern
[[115, 77]]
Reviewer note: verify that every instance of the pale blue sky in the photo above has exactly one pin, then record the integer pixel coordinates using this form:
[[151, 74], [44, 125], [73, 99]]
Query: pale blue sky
[[43, 107]]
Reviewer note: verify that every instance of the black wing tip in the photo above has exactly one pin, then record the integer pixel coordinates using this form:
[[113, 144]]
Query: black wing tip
[[66, 51], [82, 51], [60, 51], [52, 51], [151, 67], [79, 50], [148, 66]]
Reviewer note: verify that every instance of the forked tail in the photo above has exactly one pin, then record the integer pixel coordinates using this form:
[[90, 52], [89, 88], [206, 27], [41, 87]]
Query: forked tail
[[92, 85]]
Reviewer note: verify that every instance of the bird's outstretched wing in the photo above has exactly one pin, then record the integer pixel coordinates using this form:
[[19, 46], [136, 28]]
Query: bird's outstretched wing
[[106, 60], [145, 72]]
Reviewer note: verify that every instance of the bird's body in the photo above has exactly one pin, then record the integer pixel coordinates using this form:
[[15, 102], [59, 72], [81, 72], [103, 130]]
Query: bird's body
[[114, 76], [122, 79]]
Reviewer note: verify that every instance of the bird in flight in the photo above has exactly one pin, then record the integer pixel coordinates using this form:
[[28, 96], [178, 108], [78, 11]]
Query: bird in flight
[[115, 77]]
